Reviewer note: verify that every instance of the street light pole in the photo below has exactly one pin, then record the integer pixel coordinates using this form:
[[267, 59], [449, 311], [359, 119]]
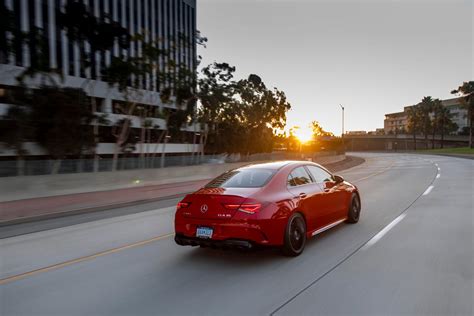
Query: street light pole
[[342, 134]]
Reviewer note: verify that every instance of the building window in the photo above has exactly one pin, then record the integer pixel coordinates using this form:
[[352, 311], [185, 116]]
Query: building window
[[57, 29], [99, 104], [18, 44]]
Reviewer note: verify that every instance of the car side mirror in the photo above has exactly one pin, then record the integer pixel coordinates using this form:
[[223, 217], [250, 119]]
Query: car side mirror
[[338, 179]]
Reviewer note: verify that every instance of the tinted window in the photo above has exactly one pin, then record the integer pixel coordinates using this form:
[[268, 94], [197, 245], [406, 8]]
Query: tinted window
[[246, 178], [319, 175], [299, 176]]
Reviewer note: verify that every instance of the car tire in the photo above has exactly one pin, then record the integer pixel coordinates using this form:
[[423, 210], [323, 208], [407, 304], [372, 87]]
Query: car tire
[[295, 236], [354, 209]]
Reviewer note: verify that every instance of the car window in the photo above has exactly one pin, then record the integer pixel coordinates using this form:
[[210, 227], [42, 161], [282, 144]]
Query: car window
[[246, 178], [319, 175], [298, 176]]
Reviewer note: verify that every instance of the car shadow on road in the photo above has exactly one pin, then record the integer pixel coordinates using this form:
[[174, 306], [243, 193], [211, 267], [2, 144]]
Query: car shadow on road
[[259, 256]]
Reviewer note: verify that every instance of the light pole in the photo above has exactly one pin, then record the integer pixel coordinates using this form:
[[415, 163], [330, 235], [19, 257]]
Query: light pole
[[342, 108], [342, 133]]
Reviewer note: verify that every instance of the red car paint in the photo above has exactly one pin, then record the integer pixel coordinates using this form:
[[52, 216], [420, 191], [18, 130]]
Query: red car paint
[[266, 209]]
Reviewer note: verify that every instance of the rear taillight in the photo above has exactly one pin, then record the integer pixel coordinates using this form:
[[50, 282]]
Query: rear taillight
[[250, 208], [181, 205]]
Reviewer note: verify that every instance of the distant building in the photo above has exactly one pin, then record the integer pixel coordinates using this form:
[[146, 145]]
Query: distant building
[[397, 123], [458, 112], [356, 133], [378, 131]]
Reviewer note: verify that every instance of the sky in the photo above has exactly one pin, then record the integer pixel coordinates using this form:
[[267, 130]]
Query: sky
[[372, 56]]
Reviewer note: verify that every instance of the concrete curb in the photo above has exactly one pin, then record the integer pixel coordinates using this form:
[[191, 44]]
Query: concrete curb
[[463, 156], [29, 219]]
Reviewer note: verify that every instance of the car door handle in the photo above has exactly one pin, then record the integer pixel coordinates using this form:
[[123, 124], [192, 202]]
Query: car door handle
[[303, 195]]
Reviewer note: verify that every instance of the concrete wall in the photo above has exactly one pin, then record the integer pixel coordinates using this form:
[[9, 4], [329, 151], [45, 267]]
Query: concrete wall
[[399, 142], [17, 188]]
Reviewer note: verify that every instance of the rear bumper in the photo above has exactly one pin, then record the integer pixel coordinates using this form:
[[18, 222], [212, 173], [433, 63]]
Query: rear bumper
[[228, 243], [257, 232]]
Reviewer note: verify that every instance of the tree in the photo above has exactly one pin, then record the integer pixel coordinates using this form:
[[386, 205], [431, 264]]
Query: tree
[[426, 107], [19, 127], [37, 40], [61, 121], [6, 27], [436, 109], [238, 116], [263, 111], [178, 90], [216, 90], [414, 124], [318, 130], [444, 122], [465, 92]]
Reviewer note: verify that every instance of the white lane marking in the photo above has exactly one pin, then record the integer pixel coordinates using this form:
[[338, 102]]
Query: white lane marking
[[327, 227], [428, 190], [438, 175], [381, 233]]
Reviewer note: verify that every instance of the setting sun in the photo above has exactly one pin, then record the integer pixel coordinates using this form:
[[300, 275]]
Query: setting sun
[[304, 134]]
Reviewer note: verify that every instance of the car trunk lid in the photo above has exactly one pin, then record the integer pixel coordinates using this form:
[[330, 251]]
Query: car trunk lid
[[216, 203]]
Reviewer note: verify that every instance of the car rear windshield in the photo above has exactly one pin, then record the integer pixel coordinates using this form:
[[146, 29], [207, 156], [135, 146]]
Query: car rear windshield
[[245, 178]]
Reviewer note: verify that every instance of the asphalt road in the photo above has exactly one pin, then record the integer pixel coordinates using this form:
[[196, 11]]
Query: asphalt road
[[411, 253]]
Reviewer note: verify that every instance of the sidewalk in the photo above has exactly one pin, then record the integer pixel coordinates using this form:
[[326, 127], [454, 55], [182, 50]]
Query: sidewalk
[[91, 201], [18, 211]]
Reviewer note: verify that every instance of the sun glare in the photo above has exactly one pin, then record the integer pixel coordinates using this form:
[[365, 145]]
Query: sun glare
[[304, 135]]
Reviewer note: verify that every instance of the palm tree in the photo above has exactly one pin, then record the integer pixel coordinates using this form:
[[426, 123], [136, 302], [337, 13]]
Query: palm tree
[[466, 91], [436, 109], [426, 107], [413, 121], [444, 122]]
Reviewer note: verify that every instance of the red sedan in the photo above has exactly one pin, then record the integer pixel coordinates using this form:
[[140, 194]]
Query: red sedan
[[270, 204]]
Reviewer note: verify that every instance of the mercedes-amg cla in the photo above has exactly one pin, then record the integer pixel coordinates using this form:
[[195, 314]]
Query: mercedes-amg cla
[[270, 204]]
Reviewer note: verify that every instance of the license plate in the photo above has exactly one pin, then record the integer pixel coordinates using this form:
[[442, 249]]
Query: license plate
[[204, 232]]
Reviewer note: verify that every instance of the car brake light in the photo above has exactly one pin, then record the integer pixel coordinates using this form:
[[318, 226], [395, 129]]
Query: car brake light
[[181, 205], [250, 208]]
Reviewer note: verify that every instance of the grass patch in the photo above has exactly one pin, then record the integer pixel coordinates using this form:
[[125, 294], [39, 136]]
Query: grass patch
[[460, 150]]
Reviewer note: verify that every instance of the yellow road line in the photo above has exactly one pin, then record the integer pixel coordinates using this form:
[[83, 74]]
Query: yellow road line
[[78, 260]]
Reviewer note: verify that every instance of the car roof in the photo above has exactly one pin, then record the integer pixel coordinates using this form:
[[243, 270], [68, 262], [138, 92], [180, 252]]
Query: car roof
[[274, 165]]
